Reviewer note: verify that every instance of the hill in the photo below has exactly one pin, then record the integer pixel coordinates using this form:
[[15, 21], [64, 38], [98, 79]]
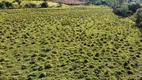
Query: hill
[[69, 44]]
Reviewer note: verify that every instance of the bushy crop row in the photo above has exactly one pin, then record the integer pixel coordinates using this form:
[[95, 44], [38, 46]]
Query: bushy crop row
[[69, 44]]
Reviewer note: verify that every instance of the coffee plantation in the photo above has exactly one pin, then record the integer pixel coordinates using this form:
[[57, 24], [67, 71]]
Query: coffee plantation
[[69, 44]]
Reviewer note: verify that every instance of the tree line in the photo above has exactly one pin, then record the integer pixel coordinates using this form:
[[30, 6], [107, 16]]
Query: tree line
[[123, 8]]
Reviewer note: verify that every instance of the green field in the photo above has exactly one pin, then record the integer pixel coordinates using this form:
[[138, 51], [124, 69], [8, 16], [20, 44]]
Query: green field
[[50, 4], [69, 44]]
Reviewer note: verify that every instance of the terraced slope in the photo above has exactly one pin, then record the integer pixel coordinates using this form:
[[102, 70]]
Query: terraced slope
[[68, 44]]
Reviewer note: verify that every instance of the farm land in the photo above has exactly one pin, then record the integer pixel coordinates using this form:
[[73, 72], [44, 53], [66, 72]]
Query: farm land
[[79, 43]]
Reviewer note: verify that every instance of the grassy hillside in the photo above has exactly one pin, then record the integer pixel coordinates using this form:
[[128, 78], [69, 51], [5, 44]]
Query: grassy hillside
[[68, 44], [51, 4]]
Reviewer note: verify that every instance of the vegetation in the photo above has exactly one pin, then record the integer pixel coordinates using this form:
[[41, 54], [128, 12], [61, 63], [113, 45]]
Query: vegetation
[[139, 17], [60, 4], [133, 7], [5, 4], [44, 4], [2, 5], [30, 5], [122, 10], [104, 2], [69, 44], [126, 9]]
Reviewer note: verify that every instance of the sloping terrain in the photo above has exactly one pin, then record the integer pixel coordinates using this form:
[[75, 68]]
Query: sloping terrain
[[69, 44], [71, 2]]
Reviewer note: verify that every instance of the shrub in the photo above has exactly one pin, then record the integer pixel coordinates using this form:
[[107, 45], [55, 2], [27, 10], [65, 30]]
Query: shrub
[[60, 4], [8, 4], [103, 2], [44, 4], [122, 11], [2, 5], [108, 2], [30, 5], [139, 17], [125, 10], [5, 4], [96, 2], [88, 3], [134, 6], [116, 6]]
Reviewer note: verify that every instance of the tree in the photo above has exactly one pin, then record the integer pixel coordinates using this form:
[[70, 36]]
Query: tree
[[44, 4], [96, 2], [60, 4], [139, 17], [2, 5], [5, 4], [111, 2], [134, 6], [103, 2], [122, 10], [120, 2]]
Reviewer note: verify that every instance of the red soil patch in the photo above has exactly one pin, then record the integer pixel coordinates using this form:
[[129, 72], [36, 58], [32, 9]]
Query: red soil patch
[[70, 2]]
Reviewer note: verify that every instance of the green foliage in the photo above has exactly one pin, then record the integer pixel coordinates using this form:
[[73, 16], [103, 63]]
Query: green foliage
[[2, 5], [120, 2], [125, 10], [5, 4], [44, 4], [30, 5], [134, 6], [139, 17], [104, 2], [111, 2], [122, 10], [96, 2], [60, 4]]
